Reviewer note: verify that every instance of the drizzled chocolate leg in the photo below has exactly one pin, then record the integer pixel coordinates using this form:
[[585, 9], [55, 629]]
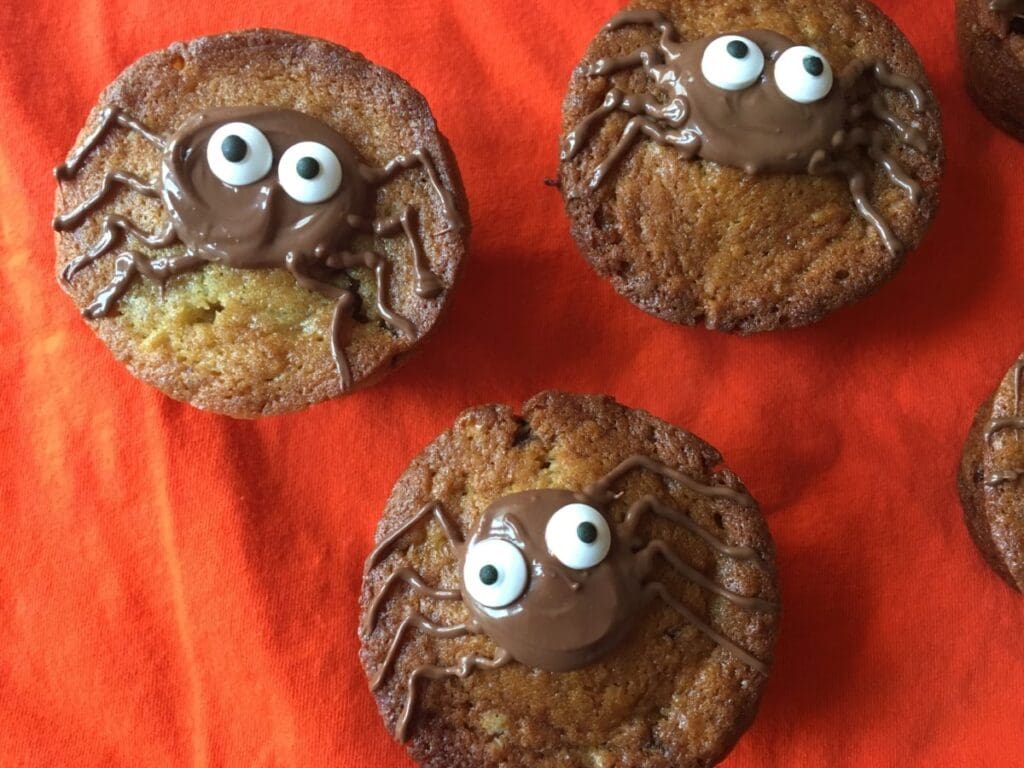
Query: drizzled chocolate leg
[[114, 228], [675, 113], [601, 489], [648, 504], [380, 266], [657, 590], [418, 622], [74, 217], [344, 303], [646, 558], [109, 117], [433, 509], [428, 286], [465, 667], [418, 158], [687, 142], [647, 57], [857, 181], [655, 19], [409, 577], [127, 267]]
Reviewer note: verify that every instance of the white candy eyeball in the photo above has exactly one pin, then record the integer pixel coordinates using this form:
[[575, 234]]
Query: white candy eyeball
[[732, 62], [495, 573], [309, 172], [803, 74], [578, 536], [239, 154]]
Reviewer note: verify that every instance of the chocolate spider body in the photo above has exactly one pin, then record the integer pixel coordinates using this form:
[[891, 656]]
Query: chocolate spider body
[[549, 578], [255, 188], [755, 100]]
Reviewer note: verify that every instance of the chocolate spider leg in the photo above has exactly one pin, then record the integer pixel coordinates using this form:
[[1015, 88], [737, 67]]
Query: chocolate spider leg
[[647, 57], [380, 266], [895, 171], [675, 113], [641, 18], [418, 622], [908, 134], [650, 504], [427, 286], [418, 158], [127, 267], [821, 166], [687, 142], [646, 556], [465, 667], [114, 227], [434, 509], [344, 303], [411, 578], [70, 220], [109, 117], [600, 489], [656, 589]]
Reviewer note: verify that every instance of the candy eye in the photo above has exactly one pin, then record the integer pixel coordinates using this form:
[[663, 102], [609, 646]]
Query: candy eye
[[732, 62], [494, 573], [239, 154], [803, 74], [309, 172], [579, 536]]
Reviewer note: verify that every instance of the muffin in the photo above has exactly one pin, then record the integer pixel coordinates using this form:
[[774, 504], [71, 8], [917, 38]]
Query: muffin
[[580, 585], [991, 476], [991, 38], [257, 221], [749, 166]]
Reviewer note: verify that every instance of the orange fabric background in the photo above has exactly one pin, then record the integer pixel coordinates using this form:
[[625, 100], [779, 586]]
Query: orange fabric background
[[180, 589]]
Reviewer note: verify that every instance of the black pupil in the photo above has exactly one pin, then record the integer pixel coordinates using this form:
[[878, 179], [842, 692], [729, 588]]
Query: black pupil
[[1017, 25], [234, 148], [587, 533], [738, 49], [488, 574], [307, 168], [814, 65]]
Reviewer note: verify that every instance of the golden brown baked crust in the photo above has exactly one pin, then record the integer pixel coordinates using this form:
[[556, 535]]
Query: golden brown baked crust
[[252, 342], [993, 62], [697, 243], [668, 696], [995, 512]]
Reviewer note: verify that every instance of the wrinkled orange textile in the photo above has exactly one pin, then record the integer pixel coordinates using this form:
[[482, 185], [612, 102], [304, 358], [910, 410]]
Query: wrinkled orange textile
[[180, 589]]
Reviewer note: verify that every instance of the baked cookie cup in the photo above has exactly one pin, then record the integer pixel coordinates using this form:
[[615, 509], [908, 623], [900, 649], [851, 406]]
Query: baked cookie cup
[[991, 479], [991, 38], [257, 221], [582, 584], [749, 166]]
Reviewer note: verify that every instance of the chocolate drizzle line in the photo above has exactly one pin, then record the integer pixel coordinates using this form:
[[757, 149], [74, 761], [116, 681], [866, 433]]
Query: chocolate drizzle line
[[757, 129], [255, 226], [1014, 422], [565, 619]]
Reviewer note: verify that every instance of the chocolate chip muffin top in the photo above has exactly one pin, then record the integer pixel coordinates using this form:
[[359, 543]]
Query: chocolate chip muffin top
[[749, 200], [991, 478], [258, 260], [515, 614]]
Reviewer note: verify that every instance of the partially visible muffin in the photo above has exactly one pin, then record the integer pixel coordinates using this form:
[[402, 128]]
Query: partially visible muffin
[[577, 663], [718, 213], [991, 479], [991, 38], [253, 341]]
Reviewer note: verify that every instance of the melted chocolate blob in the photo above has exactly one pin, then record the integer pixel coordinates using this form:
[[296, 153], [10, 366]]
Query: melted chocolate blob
[[558, 618], [257, 222], [758, 129]]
